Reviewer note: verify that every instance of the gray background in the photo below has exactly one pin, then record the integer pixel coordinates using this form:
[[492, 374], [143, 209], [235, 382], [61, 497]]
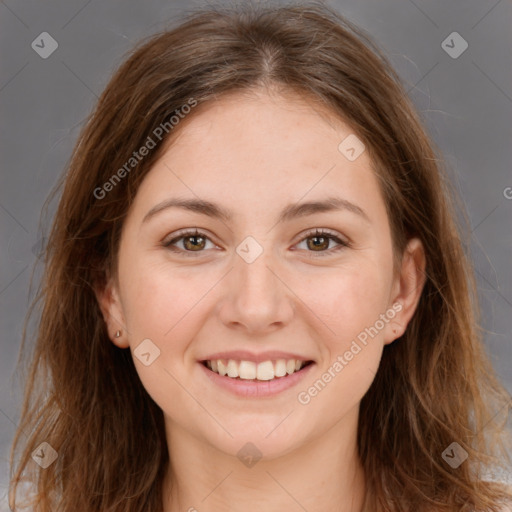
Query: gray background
[[466, 103]]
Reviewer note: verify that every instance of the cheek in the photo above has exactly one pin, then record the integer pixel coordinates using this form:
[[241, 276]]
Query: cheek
[[164, 307], [349, 303], [348, 299], [156, 295]]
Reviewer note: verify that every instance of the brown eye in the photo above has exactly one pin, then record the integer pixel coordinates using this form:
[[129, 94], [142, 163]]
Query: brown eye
[[319, 240], [193, 242], [197, 243]]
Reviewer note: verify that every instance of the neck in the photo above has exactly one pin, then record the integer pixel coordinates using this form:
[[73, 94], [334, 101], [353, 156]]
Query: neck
[[323, 474]]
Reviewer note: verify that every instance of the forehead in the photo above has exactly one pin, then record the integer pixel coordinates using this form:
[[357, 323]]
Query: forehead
[[262, 149], [274, 120]]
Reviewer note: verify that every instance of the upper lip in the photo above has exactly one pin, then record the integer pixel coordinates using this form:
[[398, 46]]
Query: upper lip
[[244, 355]]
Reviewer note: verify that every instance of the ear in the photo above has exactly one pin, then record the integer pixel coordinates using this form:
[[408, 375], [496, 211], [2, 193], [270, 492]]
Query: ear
[[107, 296], [407, 288]]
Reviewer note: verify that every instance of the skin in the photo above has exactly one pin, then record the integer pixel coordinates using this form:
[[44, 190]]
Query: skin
[[255, 153]]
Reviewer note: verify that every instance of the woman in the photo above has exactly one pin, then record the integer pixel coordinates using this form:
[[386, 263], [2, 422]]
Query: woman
[[255, 211]]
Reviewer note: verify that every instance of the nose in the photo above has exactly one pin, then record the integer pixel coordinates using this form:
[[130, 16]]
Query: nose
[[256, 298]]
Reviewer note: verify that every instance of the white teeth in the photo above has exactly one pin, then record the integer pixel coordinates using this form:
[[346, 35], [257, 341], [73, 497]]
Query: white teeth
[[249, 370], [280, 368], [222, 370], [232, 368], [265, 371]]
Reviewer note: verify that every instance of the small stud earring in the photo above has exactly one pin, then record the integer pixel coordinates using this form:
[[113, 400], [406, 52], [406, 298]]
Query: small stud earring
[[118, 333]]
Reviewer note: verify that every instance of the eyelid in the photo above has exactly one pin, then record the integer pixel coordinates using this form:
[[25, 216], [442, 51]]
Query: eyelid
[[325, 231], [342, 241], [184, 233]]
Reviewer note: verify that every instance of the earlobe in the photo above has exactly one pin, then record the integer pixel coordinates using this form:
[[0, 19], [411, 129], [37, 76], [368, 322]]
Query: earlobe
[[395, 329], [409, 285], [110, 306]]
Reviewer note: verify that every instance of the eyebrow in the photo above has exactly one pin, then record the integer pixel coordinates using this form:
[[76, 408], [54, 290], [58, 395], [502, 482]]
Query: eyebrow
[[290, 212]]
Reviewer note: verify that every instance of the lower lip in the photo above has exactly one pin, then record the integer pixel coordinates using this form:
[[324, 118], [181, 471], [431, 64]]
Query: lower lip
[[257, 388]]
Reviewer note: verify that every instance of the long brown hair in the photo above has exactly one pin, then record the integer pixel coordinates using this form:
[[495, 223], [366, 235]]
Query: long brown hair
[[434, 385]]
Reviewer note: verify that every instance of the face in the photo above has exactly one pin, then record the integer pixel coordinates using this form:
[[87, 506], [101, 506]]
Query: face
[[259, 285]]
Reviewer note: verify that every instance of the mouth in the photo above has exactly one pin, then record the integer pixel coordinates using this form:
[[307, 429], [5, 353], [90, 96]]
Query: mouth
[[250, 371], [248, 379]]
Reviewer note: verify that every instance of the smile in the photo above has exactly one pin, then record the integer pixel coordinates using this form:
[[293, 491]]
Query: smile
[[249, 379], [249, 370]]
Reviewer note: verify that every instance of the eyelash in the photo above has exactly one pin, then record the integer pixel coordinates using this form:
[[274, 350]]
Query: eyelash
[[317, 233]]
